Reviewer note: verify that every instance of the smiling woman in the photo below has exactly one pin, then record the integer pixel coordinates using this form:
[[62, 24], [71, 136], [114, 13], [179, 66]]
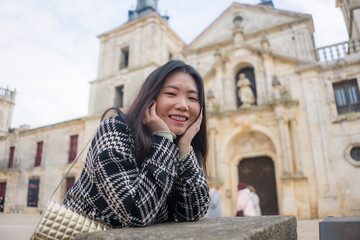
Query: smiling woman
[[146, 167]]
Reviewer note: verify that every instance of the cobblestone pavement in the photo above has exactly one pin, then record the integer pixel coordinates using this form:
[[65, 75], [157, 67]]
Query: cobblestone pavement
[[308, 229], [21, 226], [17, 226]]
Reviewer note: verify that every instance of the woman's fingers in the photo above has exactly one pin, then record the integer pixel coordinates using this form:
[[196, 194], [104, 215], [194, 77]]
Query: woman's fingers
[[152, 121], [191, 131], [195, 127], [153, 109]]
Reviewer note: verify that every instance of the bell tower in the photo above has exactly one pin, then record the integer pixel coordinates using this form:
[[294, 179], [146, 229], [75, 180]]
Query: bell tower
[[7, 103], [351, 12], [144, 7]]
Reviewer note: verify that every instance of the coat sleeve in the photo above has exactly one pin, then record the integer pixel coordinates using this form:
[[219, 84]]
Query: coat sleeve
[[133, 194], [191, 191], [241, 201], [215, 200]]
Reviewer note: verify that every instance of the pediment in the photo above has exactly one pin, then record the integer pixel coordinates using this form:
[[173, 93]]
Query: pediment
[[255, 19]]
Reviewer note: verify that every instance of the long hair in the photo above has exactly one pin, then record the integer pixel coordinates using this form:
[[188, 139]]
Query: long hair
[[148, 92]]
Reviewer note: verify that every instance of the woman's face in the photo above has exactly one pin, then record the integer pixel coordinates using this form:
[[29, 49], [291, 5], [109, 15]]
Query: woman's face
[[178, 102]]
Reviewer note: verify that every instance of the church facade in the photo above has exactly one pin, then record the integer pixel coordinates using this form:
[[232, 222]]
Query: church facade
[[283, 115]]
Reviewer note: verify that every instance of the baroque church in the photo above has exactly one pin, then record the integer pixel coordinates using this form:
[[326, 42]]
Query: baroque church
[[283, 115]]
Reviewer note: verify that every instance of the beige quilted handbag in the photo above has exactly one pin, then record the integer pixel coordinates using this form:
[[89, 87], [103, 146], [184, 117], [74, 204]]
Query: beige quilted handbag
[[59, 222]]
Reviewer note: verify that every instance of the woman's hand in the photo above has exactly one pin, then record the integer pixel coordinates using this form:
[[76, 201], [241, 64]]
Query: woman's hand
[[185, 140], [152, 121]]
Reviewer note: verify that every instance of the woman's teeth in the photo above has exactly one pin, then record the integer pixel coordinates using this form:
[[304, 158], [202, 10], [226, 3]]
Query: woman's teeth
[[178, 118]]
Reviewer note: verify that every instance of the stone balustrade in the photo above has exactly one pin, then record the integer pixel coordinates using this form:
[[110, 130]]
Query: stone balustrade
[[337, 51], [241, 228]]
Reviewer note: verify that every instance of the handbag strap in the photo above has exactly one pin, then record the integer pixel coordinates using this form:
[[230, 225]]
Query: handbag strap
[[73, 163], [120, 114]]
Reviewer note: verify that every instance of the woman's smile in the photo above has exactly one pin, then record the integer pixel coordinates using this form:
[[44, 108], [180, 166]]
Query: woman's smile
[[178, 118]]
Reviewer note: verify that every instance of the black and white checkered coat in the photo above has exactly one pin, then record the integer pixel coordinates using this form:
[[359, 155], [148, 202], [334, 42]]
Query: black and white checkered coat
[[113, 188]]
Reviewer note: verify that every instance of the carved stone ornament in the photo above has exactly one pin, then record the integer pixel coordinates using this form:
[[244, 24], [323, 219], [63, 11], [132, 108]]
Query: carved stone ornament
[[245, 93]]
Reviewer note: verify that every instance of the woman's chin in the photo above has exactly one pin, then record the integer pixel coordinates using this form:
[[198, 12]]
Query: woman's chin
[[178, 132]]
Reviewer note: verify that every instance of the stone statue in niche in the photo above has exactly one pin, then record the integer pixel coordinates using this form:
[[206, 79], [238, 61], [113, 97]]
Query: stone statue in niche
[[245, 93]]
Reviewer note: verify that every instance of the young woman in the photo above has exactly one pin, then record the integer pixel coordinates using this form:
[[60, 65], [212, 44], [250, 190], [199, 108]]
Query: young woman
[[146, 166], [244, 204]]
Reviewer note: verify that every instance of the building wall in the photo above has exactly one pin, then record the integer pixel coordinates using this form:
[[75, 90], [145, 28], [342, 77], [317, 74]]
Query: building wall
[[296, 124], [150, 42], [54, 162]]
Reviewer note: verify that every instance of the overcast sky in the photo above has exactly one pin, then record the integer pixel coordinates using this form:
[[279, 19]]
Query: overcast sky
[[49, 49]]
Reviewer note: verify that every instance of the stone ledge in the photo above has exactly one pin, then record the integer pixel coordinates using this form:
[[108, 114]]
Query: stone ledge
[[239, 228]]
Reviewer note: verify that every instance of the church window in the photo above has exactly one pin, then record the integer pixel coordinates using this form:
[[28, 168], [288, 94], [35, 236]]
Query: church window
[[33, 193], [124, 58], [73, 147], [355, 153], [39, 150], [11, 157], [238, 20], [347, 96], [170, 56], [250, 75], [119, 96]]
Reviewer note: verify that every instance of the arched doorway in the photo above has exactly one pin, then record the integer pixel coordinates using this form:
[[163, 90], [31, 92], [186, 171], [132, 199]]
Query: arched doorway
[[249, 73], [259, 172]]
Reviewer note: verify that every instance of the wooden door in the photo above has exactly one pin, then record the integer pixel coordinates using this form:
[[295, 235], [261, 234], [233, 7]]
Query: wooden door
[[2, 196], [259, 172]]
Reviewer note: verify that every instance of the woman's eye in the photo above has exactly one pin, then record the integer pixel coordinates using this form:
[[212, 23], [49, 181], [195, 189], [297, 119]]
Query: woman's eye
[[193, 99], [170, 93]]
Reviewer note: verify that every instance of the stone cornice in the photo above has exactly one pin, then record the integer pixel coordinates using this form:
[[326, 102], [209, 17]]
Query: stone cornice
[[301, 18], [53, 126], [143, 20]]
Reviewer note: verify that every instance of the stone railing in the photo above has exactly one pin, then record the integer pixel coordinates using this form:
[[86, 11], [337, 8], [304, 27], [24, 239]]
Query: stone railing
[[241, 228], [7, 94], [337, 51]]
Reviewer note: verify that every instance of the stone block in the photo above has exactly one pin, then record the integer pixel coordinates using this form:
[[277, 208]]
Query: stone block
[[230, 228], [340, 228]]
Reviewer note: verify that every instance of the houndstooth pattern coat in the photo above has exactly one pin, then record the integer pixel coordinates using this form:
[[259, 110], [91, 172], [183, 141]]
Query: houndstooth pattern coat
[[113, 188]]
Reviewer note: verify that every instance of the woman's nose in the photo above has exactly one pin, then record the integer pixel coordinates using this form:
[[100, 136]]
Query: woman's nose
[[181, 105]]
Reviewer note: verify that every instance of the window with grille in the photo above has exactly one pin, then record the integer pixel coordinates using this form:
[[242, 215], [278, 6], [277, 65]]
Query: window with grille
[[33, 193], [73, 147], [119, 96], [39, 150], [11, 157], [124, 58], [347, 96]]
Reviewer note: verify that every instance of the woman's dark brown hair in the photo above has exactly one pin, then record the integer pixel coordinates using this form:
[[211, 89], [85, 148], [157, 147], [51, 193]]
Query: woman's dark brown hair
[[148, 92]]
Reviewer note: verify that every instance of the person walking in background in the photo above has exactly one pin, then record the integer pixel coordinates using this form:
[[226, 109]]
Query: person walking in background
[[1, 204], [245, 206], [255, 199], [214, 209]]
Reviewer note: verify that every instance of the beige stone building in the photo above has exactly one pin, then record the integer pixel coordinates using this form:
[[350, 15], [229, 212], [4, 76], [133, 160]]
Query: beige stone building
[[283, 115]]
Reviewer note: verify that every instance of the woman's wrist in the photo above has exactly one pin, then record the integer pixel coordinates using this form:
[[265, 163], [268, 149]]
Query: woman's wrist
[[183, 157], [166, 134], [184, 149]]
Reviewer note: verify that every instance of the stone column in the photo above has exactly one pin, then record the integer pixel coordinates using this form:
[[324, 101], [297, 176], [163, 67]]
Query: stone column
[[269, 72], [296, 146], [289, 206], [212, 133], [325, 186], [285, 141], [229, 93]]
